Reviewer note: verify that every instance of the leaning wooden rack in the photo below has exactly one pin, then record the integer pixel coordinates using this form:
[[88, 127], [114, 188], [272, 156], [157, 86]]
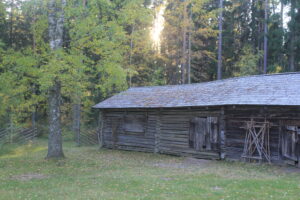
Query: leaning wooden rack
[[257, 141]]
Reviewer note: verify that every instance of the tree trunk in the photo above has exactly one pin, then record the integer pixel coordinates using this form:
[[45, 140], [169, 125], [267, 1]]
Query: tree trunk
[[34, 87], [253, 24], [56, 26], [265, 36], [281, 14], [183, 58], [84, 3], [130, 55], [190, 46], [56, 19], [282, 32], [260, 32], [77, 108], [219, 73], [260, 48], [55, 138], [11, 40], [292, 37]]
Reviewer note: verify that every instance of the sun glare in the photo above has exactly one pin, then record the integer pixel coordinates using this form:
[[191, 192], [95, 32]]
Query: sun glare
[[158, 26]]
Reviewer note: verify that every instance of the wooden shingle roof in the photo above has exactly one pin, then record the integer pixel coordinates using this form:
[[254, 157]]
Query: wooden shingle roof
[[276, 89]]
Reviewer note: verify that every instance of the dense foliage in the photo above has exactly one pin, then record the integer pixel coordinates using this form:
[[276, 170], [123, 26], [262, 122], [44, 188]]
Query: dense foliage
[[107, 48], [243, 37]]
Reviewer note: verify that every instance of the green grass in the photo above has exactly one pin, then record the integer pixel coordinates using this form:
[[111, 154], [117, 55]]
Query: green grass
[[88, 173]]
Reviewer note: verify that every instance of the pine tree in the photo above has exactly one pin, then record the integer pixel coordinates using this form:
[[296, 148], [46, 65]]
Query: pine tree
[[219, 73], [292, 36], [265, 36], [184, 26]]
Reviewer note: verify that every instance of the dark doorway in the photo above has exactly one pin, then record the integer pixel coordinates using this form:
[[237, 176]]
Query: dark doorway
[[203, 134]]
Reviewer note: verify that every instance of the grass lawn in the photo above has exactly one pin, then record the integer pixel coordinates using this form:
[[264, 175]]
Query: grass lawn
[[88, 173]]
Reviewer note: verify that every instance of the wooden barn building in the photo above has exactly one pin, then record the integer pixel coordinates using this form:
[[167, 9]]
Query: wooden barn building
[[246, 118]]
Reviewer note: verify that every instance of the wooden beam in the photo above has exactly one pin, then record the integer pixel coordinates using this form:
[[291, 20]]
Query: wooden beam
[[298, 152], [222, 134], [100, 129], [157, 132], [280, 142]]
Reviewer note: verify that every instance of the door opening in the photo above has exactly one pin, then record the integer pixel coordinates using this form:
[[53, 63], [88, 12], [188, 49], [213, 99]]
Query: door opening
[[203, 134]]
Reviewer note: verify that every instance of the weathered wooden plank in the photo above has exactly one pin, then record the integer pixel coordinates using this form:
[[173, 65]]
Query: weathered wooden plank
[[100, 128], [158, 133], [222, 136]]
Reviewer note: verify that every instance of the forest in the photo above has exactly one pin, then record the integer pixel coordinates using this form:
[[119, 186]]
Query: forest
[[58, 58]]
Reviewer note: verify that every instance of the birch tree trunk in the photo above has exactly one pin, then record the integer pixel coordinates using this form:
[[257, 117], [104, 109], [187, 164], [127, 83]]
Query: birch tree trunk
[[56, 25], [55, 138], [219, 73]]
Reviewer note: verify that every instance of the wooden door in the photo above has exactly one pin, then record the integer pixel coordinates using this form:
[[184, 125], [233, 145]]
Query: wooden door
[[204, 133], [200, 133], [290, 139]]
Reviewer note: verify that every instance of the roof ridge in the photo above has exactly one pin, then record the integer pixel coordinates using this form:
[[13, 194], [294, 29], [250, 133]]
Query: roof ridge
[[222, 80]]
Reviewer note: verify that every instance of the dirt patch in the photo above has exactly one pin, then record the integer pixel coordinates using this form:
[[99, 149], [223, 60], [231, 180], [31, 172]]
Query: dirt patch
[[166, 178], [217, 188], [197, 162], [28, 177], [290, 169], [185, 163]]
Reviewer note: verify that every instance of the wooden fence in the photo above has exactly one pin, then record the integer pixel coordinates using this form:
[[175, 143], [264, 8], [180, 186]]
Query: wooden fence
[[17, 135], [22, 135], [87, 137]]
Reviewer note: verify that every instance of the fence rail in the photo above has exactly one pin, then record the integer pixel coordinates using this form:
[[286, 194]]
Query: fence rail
[[17, 135], [88, 137], [3, 133]]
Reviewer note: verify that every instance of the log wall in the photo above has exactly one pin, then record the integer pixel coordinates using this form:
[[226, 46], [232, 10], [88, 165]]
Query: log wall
[[167, 130], [120, 140], [236, 117], [175, 126]]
